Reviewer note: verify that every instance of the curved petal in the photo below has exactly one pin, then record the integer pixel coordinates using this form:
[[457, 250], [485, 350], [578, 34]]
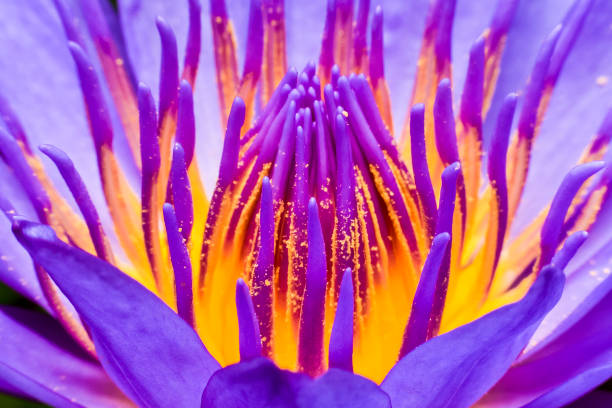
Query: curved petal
[[39, 360], [573, 363], [476, 354], [143, 345], [575, 388], [339, 388], [585, 288], [16, 268], [256, 383]]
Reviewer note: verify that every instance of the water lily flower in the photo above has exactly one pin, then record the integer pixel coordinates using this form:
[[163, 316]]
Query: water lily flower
[[400, 223]]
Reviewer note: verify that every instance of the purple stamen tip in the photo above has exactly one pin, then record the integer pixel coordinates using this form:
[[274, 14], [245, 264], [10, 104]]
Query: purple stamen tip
[[444, 123], [472, 97], [169, 75], [249, 338], [553, 225], [100, 122], [569, 249], [420, 316], [81, 196], [181, 191], [420, 167], [264, 267], [341, 340], [149, 144], [181, 264], [185, 127], [310, 346], [231, 145]]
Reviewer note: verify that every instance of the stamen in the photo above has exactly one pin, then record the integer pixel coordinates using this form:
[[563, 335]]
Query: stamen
[[446, 141], [498, 221], [118, 78], [572, 25], [520, 150], [345, 230], [181, 266], [227, 169], [185, 126], [390, 191], [359, 61], [425, 190], [434, 64], [122, 202], [343, 35], [263, 274], [13, 125], [249, 337], [181, 192], [495, 37], [169, 75], [341, 340], [298, 224], [58, 213], [275, 53], [444, 122], [229, 158], [470, 128], [377, 69], [81, 197], [418, 328], [310, 346], [150, 193], [225, 56], [551, 230], [446, 209], [569, 249], [253, 58], [326, 56], [10, 151], [284, 156], [192, 49]]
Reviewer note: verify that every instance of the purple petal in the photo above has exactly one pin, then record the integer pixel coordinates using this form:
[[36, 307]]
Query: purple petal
[[571, 365], [339, 388], [256, 383], [38, 359], [585, 288], [16, 268], [143, 345], [575, 388], [573, 340], [39, 79], [476, 355]]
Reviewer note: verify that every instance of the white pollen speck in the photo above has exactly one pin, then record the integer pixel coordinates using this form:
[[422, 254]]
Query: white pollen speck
[[602, 80]]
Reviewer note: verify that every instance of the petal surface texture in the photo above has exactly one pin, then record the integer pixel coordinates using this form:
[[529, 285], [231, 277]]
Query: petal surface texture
[[144, 346], [476, 354]]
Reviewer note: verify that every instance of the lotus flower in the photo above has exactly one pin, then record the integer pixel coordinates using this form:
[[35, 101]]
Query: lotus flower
[[361, 246]]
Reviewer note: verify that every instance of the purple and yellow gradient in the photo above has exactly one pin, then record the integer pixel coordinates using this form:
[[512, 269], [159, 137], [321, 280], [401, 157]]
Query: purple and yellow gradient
[[325, 243]]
